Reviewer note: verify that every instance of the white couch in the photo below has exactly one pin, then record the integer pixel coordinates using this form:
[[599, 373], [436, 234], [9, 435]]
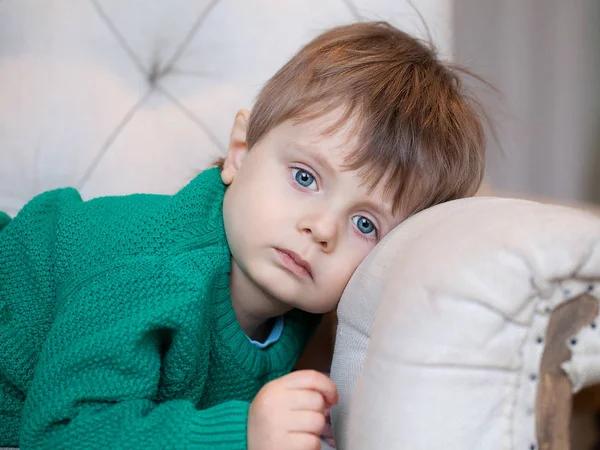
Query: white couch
[[438, 328]]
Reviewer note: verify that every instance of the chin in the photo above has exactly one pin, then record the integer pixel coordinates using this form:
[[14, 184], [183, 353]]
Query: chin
[[283, 290], [291, 300], [309, 308], [292, 294], [285, 298]]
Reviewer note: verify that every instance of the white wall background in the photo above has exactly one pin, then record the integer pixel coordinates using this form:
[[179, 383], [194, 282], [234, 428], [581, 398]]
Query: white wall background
[[543, 56]]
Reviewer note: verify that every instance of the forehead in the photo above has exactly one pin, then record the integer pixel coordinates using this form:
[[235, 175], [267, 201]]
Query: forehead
[[320, 139], [332, 129]]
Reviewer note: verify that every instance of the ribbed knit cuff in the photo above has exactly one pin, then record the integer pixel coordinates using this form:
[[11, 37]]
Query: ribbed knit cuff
[[222, 427]]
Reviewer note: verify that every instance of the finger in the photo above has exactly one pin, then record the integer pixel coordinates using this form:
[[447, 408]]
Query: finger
[[327, 434], [327, 430], [307, 422], [304, 441], [330, 442], [315, 381], [306, 400]]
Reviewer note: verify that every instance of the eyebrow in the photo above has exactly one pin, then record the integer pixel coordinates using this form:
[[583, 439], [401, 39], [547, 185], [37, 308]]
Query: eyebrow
[[382, 210], [320, 159]]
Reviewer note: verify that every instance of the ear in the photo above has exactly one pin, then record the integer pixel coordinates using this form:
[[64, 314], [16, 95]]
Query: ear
[[237, 149]]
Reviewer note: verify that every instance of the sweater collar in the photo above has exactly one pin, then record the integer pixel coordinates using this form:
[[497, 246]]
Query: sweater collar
[[280, 356]]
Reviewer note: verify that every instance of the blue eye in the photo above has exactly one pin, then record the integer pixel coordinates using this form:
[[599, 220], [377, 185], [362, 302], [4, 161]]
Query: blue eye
[[303, 178], [364, 225]]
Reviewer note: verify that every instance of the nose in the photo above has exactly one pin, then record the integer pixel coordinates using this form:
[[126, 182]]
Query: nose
[[323, 229]]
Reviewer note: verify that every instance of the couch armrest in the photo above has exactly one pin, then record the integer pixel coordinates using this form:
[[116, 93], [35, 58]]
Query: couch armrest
[[443, 328]]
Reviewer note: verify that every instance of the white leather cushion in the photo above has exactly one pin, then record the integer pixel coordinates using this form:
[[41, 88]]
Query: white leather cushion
[[437, 344], [120, 96]]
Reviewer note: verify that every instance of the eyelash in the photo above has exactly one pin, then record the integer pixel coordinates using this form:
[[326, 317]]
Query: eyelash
[[295, 170], [366, 237]]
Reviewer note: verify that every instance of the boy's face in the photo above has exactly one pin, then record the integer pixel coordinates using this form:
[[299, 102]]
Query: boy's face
[[298, 224]]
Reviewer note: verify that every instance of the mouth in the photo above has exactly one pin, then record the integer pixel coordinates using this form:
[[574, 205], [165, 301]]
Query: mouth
[[293, 262]]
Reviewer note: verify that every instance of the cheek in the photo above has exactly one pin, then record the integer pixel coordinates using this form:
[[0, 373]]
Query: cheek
[[346, 263], [331, 290], [358, 249], [253, 213]]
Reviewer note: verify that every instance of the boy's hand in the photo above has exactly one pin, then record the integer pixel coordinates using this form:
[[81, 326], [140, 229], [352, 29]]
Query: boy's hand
[[289, 413]]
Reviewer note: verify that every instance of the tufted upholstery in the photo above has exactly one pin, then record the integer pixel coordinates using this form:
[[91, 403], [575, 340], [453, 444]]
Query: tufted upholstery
[[120, 96]]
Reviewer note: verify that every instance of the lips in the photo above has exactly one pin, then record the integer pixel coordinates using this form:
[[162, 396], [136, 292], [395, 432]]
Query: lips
[[294, 262]]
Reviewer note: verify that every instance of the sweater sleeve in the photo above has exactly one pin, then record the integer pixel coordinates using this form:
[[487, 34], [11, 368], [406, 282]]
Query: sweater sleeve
[[106, 356], [4, 219]]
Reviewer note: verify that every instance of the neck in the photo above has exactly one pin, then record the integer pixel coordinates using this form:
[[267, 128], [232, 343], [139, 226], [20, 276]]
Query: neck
[[254, 308]]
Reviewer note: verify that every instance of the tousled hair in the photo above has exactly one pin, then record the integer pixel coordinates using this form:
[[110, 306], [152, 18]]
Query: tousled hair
[[414, 127]]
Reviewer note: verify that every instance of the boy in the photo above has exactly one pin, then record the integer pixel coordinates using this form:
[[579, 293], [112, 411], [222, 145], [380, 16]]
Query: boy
[[151, 321]]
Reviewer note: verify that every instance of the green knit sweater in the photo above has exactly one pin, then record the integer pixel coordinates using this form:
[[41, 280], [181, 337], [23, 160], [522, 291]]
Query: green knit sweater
[[116, 325]]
